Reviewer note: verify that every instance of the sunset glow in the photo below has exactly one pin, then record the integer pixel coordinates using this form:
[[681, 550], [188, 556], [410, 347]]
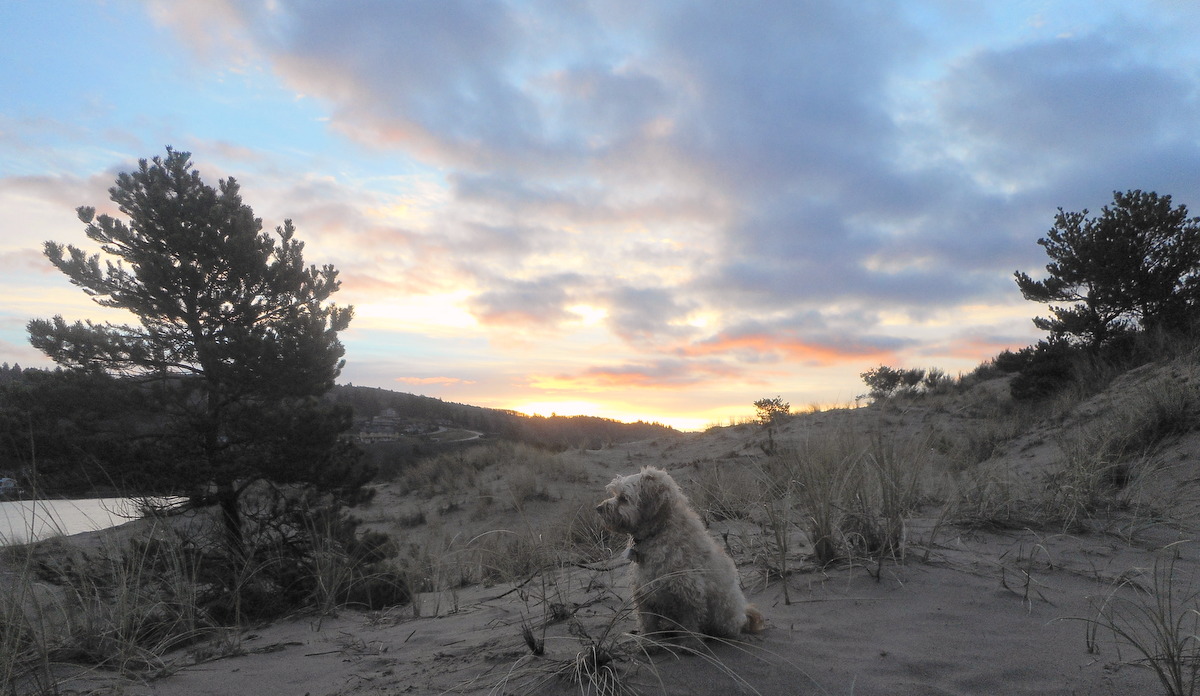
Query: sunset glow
[[662, 214]]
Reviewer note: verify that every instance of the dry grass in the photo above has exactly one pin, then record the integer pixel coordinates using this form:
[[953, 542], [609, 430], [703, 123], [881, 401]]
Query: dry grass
[[1106, 446], [835, 494], [504, 471], [727, 489], [599, 658], [1104, 459], [1160, 622], [121, 610], [853, 491], [848, 491], [125, 607]]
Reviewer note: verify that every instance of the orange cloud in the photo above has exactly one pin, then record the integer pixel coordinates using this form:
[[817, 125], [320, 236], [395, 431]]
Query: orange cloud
[[664, 375], [774, 347]]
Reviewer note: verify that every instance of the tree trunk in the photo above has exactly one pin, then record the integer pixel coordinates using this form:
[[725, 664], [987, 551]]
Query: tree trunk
[[227, 496]]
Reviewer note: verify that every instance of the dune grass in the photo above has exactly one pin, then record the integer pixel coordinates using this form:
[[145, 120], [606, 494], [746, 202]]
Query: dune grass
[[834, 495], [116, 610], [518, 465], [124, 607], [1159, 621], [838, 494], [849, 491]]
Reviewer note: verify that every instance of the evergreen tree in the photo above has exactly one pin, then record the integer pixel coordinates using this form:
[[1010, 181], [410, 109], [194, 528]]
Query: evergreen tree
[[235, 336], [1136, 265], [771, 410]]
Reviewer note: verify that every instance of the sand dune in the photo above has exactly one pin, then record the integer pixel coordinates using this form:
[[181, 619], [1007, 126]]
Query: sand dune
[[1006, 552]]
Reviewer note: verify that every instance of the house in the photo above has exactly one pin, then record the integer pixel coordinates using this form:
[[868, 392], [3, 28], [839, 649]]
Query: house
[[9, 488]]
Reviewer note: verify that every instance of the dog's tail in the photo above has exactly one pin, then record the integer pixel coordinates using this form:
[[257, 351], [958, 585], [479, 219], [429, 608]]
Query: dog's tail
[[754, 620]]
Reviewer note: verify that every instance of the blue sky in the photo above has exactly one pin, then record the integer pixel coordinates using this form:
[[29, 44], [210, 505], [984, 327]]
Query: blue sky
[[636, 210]]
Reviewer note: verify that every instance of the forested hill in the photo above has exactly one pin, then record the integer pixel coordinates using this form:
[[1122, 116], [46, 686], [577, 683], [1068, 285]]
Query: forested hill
[[556, 432], [82, 431]]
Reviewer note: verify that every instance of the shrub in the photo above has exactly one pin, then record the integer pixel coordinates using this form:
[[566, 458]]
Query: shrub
[[1008, 362], [771, 410], [1047, 369], [885, 382]]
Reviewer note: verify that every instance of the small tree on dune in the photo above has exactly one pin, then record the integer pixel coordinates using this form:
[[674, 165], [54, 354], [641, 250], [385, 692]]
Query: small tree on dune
[[235, 335], [770, 411], [883, 381]]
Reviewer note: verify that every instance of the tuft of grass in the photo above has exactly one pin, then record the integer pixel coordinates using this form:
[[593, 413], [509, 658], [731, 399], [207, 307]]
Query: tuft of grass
[[598, 658], [1090, 472], [726, 489], [1168, 407], [850, 492], [63, 612], [586, 538], [985, 500], [1160, 622], [821, 475], [505, 555], [1102, 459], [523, 484], [24, 652], [976, 440]]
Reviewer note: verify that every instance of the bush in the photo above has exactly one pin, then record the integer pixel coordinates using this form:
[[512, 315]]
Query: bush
[[885, 382], [1048, 368], [1008, 362], [302, 551]]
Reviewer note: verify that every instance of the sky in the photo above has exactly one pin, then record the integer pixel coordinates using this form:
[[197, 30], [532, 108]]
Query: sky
[[660, 211]]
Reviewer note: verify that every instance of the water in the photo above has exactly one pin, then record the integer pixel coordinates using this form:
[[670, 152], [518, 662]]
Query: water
[[30, 520]]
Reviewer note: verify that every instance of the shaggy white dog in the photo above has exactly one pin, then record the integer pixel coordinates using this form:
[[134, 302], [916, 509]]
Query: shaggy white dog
[[683, 583]]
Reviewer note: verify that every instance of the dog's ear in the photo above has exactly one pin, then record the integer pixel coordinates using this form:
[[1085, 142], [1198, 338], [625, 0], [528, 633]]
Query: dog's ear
[[654, 494]]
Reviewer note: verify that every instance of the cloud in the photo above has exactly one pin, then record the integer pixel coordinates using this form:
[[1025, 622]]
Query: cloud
[[243, 155], [210, 30], [24, 261], [797, 191], [1036, 114], [421, 77], [802, 341], [660, 374], [975, 346], [783, 97], [712, 192], [648, 314], [538, 303], [441, 381], [58, 194]]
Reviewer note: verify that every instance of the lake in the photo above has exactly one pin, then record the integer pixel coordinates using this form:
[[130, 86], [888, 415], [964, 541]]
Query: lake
[[30, 520]]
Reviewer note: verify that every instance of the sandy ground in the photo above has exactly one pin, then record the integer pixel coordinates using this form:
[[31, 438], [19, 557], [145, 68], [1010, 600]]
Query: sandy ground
[[965, 611]]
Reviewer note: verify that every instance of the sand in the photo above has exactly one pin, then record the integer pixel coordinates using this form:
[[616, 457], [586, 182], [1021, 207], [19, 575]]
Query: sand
[[965, 610]]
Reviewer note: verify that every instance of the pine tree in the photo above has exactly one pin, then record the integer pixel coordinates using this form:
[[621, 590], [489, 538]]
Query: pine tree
[[1136, 265], [235, 336]]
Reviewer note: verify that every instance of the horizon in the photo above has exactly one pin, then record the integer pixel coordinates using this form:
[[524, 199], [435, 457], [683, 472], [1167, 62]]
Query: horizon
[[654, 213]]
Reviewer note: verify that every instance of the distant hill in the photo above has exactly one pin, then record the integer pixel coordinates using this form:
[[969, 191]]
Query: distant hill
[[555, 432], [74, 429]]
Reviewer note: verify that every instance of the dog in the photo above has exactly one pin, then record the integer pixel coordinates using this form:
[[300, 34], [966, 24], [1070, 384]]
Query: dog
[[684, 585]]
